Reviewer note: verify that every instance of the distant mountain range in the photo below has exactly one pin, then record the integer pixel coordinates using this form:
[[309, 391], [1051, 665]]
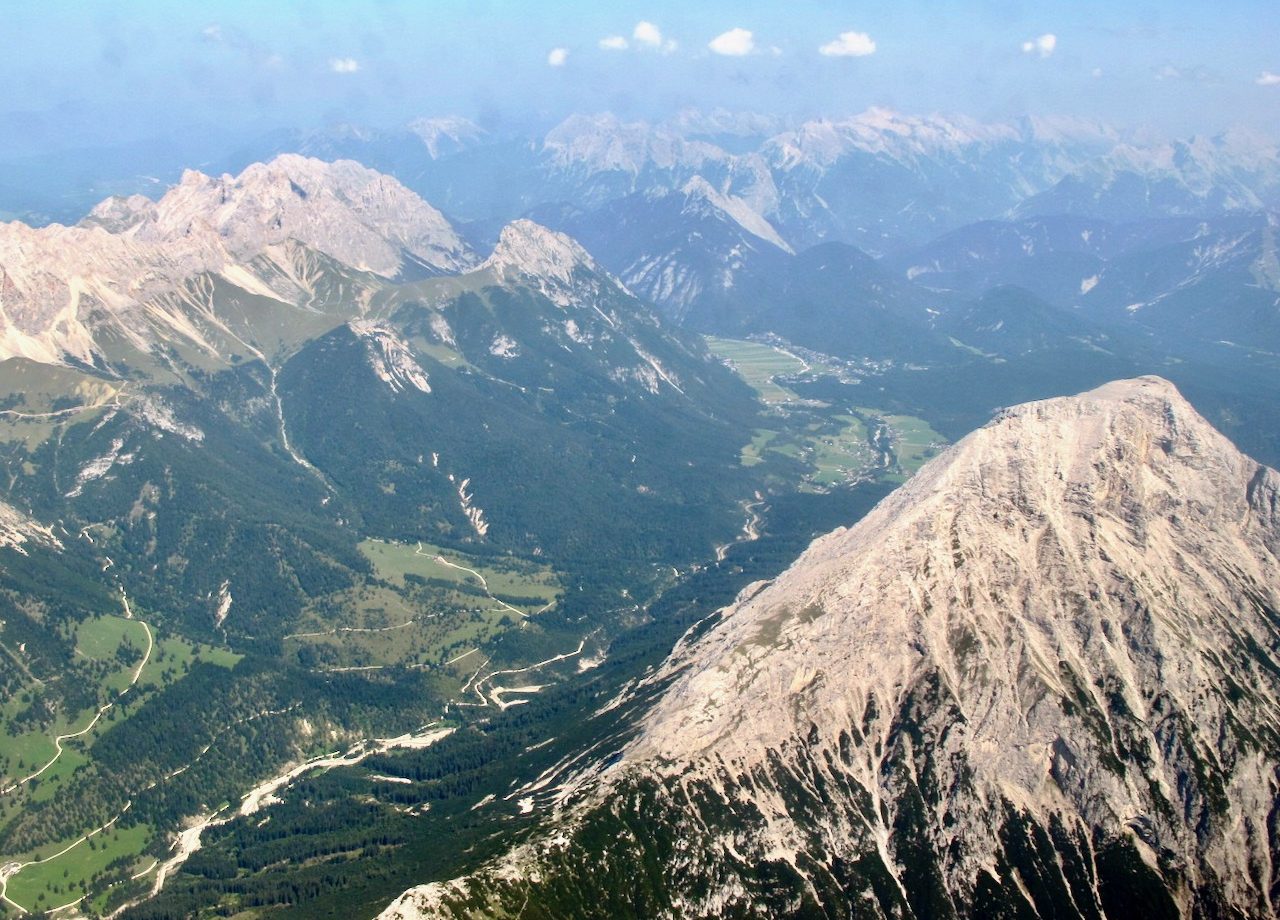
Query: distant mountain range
[[878, 179], [692, 212], [759, 236]]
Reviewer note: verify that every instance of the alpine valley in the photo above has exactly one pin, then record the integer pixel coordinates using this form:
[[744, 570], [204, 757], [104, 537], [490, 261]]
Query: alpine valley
[[413, 523]]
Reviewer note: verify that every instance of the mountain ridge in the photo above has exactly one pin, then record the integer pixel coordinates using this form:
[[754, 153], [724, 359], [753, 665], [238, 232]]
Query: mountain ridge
[[269, 232]]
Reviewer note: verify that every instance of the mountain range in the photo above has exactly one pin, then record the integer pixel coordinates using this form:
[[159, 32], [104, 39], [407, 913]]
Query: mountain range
[[265, 414], [434, 494]]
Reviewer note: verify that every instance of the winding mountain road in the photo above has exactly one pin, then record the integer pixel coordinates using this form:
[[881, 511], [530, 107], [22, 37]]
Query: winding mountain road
[[57, 741]]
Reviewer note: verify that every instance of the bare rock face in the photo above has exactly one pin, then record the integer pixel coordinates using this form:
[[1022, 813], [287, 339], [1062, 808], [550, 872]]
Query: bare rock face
[[552, 263], [18, 528], [1042, 676], [1075, 590], [53, 278], [358, 216], [390, 357], [447, 135], [599, 143], [273, 231]]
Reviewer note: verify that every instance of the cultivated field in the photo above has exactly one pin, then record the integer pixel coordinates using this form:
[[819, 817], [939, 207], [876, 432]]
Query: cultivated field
[[758, 364], [427, 608]]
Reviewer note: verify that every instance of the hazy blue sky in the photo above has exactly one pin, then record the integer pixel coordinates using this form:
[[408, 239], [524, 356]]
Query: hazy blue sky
[[101, 72]]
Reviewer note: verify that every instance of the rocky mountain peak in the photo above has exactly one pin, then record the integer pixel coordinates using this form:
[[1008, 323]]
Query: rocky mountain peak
[[736, 209], [560, 268], [1053, 502], [118, 213], [1044, 672], [356, 215], [1056, 606], [535, 249], [266, 231], [446, 135]]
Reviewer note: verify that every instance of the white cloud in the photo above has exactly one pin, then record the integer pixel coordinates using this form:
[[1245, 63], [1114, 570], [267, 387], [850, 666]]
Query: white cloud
[[557, 56], [1267, 78], [849, 44], [1096, 72], [734, 43], [646, 33], [614, 43], [1043, 46], [344, 65], [213, 32]]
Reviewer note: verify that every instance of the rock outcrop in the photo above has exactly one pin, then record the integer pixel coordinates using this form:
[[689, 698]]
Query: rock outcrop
[[143, 271]]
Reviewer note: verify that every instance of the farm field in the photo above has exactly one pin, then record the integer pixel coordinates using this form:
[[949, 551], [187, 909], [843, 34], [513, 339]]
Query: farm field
[[109, 650], [831, 447], [429, 608], [125, 661], [63, 876], [500, 575], [759, 364], [914, 442], [840, 451]]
